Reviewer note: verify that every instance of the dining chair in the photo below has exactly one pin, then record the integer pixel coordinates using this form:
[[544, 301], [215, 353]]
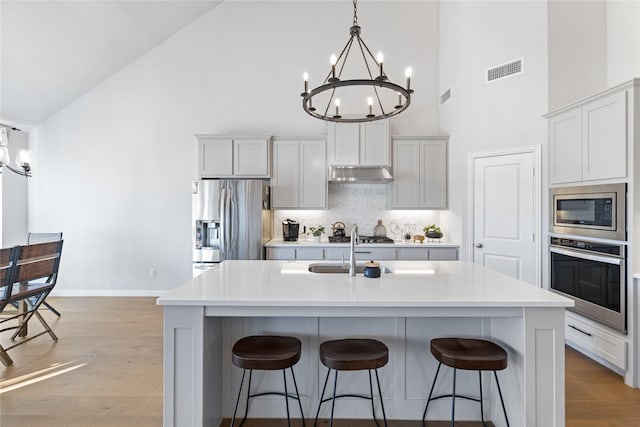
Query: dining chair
[[32, 262], [43, 238], [8, 258]]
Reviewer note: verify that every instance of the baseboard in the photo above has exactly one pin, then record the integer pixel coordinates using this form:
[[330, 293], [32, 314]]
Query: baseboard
[[108, 293]]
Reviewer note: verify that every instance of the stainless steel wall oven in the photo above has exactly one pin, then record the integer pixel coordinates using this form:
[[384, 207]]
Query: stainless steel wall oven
[[590, 211], [593, 274]]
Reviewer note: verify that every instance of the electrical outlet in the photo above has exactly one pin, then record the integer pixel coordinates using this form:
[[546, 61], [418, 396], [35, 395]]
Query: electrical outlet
[[152, 272]]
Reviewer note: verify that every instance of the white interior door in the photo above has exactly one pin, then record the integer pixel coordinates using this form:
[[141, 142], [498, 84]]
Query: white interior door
[[504, 214]]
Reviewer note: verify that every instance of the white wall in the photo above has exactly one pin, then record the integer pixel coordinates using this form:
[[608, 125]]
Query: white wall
[[623, 41], [13, 190], [115, 167], [483, 117], [577, 50]]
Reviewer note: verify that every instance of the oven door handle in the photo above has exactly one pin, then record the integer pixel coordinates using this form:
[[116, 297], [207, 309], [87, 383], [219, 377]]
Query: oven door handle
[[590, 257]]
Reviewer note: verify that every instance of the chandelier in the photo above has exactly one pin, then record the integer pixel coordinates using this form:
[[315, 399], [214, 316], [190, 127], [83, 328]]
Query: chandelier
[[24, 159], [383, 98]]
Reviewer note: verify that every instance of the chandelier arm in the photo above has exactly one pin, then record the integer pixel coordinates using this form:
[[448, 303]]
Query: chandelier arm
[[372, 56], [366, 63], [344, 61], [326, 110], [19, 172], [338, 60]]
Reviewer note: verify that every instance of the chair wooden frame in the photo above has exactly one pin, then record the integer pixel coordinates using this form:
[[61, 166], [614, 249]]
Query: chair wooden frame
[[31, 262], [42, 238]]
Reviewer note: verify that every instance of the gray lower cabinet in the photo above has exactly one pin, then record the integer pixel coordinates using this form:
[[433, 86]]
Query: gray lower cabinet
[[363, 254], [427, 254]]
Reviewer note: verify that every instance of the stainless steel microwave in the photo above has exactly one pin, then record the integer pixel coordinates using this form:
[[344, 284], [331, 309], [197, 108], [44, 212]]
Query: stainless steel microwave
[[590, 211]]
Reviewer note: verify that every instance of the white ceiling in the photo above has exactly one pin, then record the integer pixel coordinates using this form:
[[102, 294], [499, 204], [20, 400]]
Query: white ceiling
[[53, 52]]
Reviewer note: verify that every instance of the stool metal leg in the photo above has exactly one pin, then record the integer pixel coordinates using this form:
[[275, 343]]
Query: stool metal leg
[[453, 400], [384, 415], [295, 384], [333, 402], [373, 409], [501, 400], [424, 415], [326, 380], [286, 396], [246, 408], [244, 371], [481, 406]]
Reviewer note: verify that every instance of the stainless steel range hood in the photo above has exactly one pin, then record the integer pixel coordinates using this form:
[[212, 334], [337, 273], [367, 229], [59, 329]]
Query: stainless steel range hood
[[360, 174]]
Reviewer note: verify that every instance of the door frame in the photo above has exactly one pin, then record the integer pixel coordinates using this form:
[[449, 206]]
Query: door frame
[[536, 150]]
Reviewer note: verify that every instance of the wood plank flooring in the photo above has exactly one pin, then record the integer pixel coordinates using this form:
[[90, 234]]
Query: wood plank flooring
[[106, 371]]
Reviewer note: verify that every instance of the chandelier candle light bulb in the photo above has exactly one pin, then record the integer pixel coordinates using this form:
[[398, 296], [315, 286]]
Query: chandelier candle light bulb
[[380, 59], [337, 116], [305, 77], [333, 60], [370, 103], [407, 74]]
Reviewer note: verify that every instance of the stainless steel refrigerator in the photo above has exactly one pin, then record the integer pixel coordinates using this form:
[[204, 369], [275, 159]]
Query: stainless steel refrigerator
[[231, 220]]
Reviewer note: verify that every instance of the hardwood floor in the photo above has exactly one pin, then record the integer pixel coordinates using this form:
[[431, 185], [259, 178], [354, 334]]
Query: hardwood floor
[[106, 371]]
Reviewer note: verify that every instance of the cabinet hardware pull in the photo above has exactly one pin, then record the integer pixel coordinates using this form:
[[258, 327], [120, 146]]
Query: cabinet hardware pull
[[580, 330], [363, 252]]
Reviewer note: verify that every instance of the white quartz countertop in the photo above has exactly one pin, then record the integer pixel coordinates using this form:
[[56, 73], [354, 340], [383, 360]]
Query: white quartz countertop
[[310, 243], [411, 284]]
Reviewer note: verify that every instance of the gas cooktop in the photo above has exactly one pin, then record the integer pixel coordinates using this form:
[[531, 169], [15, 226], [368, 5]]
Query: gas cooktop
[[361, 239]]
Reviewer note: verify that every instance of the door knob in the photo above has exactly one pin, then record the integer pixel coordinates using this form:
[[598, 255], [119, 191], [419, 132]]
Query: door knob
[[478, 245]]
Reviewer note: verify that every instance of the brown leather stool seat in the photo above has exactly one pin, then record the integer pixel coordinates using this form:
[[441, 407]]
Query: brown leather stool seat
[[467, 354], [353, 354], [267, 353]]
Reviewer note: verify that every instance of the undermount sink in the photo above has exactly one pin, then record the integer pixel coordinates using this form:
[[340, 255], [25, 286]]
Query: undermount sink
[[340, 268]]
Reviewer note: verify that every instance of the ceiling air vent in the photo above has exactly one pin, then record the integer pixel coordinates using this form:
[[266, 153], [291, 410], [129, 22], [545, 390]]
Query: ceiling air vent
[[504, 70], [446, 95]]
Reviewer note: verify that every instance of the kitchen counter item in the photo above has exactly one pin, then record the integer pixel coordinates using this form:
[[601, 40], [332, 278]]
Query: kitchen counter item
[[372, 269], [290, 230], [380, 230], [338, 229]]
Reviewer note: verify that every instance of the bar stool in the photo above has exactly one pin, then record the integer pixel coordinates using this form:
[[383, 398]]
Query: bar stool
[[352, 355], [471, 355], [268, 353]]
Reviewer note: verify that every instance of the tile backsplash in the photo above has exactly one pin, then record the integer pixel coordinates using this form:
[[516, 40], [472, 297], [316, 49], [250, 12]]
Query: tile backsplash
[[362, 204]]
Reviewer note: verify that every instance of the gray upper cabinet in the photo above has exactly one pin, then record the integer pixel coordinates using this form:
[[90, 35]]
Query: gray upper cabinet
[[588, 139], [364, 144], [420, 172], [229, 156], [299, 173]]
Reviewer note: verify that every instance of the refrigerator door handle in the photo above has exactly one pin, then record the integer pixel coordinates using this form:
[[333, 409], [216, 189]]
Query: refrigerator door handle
[[223, 224]]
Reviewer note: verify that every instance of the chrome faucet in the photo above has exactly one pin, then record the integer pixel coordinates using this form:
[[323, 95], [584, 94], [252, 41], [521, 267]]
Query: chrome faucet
[[352, 252]]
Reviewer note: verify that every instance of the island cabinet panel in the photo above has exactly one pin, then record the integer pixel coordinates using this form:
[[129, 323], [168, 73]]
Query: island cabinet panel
[[230, 156]]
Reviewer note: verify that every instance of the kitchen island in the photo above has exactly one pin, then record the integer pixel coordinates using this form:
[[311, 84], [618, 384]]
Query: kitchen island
[[417, 301]]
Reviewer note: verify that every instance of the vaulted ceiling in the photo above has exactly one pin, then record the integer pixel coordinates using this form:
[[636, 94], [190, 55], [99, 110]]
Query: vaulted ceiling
[[53, 52]]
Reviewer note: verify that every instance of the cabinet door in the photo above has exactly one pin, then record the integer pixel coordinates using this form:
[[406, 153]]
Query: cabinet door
[[565, 147], [309, 253], [375, 254], [406, 170], [281, 253], [413, 254], [313, 175], [251, 157], [433, 174], [344, 143], [443, 254], [215, 158], [374, 143], [285, 187], [604, 138]]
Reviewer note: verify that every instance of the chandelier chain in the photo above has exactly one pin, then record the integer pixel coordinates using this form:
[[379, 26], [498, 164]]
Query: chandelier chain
[[355, 12]]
